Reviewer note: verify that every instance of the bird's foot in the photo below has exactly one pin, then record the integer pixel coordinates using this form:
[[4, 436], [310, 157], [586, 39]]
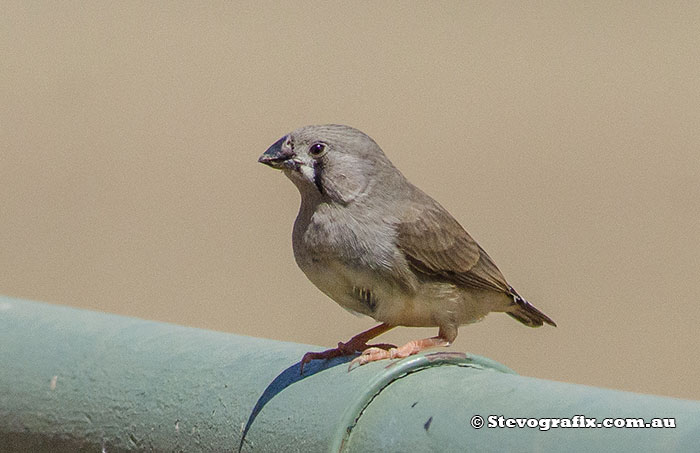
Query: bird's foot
[[350, 348], [372, 354]]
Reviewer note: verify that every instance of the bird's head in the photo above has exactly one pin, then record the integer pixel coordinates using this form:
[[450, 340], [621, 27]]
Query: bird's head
[[333, 161]]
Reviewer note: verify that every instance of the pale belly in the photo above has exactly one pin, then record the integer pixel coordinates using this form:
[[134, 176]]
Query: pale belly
[[429, 305]]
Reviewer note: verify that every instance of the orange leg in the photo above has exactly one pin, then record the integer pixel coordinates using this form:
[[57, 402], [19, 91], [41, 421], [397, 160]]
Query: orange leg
[[373, 354], [358, 343]]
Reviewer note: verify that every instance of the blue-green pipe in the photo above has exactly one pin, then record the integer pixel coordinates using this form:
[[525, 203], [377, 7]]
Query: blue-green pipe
[[74, 380]]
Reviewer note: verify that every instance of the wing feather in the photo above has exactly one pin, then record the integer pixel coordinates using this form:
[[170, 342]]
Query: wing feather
[[437, 246]]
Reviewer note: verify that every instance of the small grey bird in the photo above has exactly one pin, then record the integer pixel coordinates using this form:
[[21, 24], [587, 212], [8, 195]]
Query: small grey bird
[[377, 245]]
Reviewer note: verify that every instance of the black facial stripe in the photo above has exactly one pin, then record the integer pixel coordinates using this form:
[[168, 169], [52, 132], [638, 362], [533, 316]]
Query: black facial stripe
[[318, 174], [366, 297]]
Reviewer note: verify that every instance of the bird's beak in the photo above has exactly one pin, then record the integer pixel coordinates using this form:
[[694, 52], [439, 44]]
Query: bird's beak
[[278, 155]]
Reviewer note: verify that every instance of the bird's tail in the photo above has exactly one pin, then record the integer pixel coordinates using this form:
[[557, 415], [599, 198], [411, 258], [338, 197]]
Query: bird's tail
[[527, 313]]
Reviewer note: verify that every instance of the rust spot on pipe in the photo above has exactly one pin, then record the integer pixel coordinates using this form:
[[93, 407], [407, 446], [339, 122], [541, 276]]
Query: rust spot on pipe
[[435, 356]]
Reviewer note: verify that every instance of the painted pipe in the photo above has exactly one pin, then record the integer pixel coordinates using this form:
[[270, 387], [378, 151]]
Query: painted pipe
[[73, 380]]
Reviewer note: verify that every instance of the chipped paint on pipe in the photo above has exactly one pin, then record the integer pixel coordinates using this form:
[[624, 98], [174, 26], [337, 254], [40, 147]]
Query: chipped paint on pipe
[[80, 380]]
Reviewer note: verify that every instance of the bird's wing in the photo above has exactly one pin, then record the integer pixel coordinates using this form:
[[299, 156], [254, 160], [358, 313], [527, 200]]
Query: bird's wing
[[435, 245]]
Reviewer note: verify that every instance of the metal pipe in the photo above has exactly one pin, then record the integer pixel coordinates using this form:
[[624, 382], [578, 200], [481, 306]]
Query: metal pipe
[[74, 379]]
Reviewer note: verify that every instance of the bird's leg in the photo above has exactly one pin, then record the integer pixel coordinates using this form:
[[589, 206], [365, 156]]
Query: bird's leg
[[372, 354], [358, 343]]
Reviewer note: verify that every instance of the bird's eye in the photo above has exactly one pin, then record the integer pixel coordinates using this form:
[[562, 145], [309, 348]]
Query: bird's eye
[[317, 149]]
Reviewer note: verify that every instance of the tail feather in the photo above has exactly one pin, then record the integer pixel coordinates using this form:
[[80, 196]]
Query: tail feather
[[527, 313]]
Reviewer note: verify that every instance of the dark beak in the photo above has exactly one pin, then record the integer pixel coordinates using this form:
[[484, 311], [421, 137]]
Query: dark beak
[[277, 154]]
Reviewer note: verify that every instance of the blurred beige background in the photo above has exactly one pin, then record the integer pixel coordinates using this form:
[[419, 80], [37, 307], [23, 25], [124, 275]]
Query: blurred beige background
[[564, 137]]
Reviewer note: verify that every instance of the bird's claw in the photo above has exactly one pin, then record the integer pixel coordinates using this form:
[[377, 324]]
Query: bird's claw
[[372, 355], [349, 348], [325, 355]]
